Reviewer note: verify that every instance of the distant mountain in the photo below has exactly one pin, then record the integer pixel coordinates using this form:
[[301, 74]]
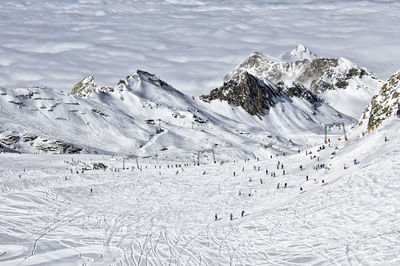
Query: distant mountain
[[343, 84], [144, 115], [383, 105]]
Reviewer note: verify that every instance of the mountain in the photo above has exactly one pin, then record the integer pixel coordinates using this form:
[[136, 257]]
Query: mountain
[[343, 84], [383, 105], [144, 115], [300, 53]]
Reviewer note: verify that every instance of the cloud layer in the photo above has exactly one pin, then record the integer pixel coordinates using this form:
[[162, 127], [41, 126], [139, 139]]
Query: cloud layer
[[191, 44]]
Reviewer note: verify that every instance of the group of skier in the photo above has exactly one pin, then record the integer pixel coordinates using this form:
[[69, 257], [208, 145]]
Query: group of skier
[[230, 216]]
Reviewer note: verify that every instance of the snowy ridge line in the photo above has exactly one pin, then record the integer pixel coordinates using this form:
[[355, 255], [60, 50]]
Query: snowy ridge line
[[144, 115]]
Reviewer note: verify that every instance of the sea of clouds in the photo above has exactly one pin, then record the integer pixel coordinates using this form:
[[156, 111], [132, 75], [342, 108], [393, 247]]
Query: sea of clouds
[[191, 44]]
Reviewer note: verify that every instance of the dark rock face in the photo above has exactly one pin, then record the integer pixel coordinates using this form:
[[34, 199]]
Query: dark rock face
[[383, 105], [59, 146], [248, 92], [298, 90]]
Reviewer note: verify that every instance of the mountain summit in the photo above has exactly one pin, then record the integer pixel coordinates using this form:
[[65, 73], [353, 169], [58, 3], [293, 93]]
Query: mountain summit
[[300, 53], [338, 81]]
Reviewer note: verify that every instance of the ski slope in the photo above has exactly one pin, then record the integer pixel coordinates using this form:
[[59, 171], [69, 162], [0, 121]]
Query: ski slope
[[164, 215]]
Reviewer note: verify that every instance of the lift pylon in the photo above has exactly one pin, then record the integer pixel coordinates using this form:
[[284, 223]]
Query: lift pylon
[[335, 124]]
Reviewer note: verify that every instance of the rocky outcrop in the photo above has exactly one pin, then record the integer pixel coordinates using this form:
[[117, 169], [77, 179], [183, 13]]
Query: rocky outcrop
[[299, 91], [383, 105], [248, 92], [86, 87]]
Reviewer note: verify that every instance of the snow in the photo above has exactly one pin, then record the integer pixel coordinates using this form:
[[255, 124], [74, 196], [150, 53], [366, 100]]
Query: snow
[[144, 115], [155, 203], [190, 44], [158, 216], [299, 54]]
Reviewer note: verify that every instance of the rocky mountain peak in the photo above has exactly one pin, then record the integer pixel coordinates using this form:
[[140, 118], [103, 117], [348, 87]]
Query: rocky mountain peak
[[85, 87], [300, 53]]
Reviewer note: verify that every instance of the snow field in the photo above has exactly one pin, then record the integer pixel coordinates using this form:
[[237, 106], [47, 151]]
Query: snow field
[[135, 217]]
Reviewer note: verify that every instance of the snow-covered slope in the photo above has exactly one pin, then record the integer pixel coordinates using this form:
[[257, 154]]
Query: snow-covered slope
[[343, 84], [53, 213], [144, 115]]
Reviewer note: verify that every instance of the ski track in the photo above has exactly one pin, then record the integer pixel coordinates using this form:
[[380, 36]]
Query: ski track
[[144, 218]]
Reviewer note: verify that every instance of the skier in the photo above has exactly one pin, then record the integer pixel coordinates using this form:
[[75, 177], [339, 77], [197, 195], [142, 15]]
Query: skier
[[285, 185], [306, 177], [301, 167], [234, 173], [355, 161], [284, 172], [301, 189], [216, 217], [323, 181], [277, 187], [240, 192], [231, 216], [266, 172], [261, 181], [242, 213]]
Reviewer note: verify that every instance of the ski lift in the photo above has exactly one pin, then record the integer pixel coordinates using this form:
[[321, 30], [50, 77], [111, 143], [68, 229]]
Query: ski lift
[[398, 110]]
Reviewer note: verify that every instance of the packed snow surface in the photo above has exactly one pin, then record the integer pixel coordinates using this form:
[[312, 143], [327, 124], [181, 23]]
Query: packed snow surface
[[52, 213], [191, 44]]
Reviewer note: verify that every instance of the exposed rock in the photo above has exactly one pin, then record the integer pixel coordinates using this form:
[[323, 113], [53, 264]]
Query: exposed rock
[[298, 90], [248, 92], [383, 105], [86, 86], [59, 147]]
